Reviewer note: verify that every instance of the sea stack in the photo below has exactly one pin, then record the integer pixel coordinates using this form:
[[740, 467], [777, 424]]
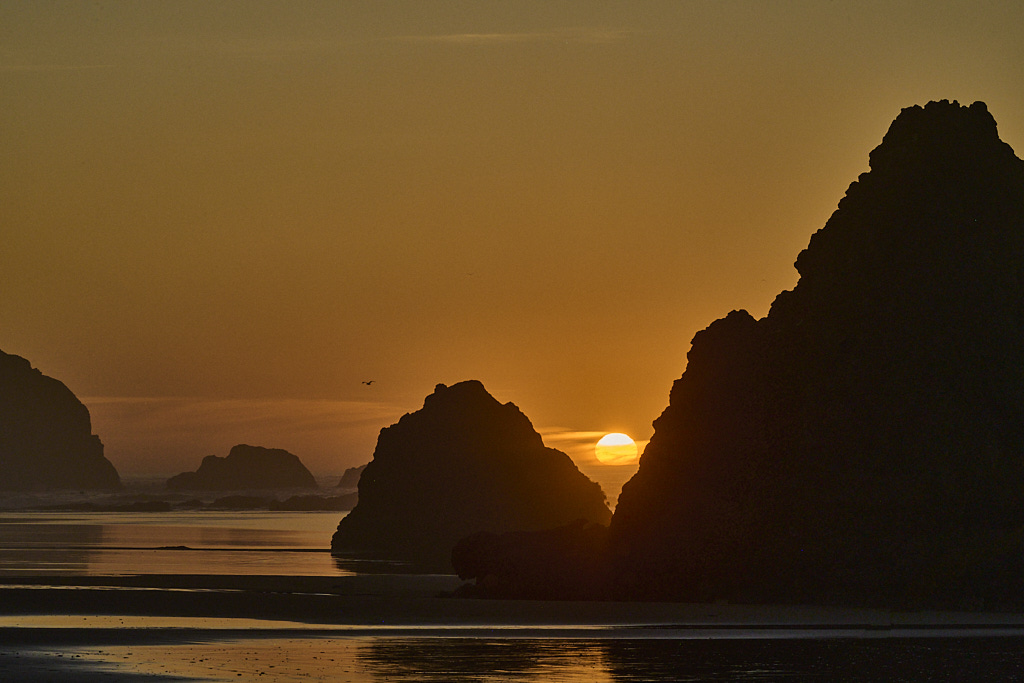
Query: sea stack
[[864, 442], [462, 464], [46, 439], [246, 468], [350, 477]]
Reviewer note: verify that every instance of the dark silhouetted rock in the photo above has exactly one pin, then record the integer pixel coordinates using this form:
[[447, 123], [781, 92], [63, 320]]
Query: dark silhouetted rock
[[464, 463], [565, 563], [350, 479], [864, 442], [246, 468], [46, 439]]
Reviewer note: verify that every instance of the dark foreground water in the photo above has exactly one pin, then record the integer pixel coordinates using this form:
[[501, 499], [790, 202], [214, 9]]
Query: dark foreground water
[[372, 659]]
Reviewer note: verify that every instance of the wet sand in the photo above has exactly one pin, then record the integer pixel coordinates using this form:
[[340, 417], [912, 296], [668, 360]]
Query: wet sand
[[109, 628], [397, 600]]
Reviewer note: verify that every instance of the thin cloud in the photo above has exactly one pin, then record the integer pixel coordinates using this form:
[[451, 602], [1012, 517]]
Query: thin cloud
[[568, 437], [262, 48], [42, 68], [578, 444], [299, 412], [592, 36]]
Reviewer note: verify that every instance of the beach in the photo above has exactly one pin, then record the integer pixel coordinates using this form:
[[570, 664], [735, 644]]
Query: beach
[[404, 627]]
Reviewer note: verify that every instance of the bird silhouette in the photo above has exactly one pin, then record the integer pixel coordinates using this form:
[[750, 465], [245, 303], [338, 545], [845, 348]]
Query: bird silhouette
[[369, 383]]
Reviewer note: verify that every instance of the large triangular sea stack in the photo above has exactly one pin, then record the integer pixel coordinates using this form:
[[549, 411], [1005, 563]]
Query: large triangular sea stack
[[46, 439], [864, 442], [462, 464]]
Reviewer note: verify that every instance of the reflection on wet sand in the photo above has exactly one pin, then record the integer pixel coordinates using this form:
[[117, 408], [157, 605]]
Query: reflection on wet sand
[[353, 660], [235, 655], [844, 659], [482, 659]]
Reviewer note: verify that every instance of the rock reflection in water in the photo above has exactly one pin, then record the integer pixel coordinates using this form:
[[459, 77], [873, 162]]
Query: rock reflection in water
[[481, 659], [834, 659]]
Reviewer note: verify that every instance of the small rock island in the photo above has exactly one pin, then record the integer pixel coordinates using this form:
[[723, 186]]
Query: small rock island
[[246, 468]]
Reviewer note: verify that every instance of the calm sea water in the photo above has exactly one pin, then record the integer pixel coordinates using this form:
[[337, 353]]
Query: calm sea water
[[179, 542]]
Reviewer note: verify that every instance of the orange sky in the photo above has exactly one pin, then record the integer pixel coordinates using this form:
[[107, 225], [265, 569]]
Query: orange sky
[[219, 219]]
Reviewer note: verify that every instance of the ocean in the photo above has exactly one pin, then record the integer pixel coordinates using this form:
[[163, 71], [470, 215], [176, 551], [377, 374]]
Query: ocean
[[80, 645], [249, 542]]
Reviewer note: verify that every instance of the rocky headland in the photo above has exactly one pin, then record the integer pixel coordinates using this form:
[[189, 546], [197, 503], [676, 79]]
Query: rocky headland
[[462, 464], [246, 468], [46, 439], [864, 442]]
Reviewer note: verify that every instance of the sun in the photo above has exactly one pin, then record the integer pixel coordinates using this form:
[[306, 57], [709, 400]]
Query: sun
[[615, 449]]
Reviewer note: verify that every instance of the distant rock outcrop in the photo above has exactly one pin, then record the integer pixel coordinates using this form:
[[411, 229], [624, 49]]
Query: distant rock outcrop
[[864, 442], [246, 468], [350, 478], [46, 439], [462, 464]]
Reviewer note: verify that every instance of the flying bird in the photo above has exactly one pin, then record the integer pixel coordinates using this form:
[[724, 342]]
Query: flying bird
[[369, 383]]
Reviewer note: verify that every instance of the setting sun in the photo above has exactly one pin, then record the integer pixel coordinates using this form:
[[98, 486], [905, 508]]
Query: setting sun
[[616, 449]]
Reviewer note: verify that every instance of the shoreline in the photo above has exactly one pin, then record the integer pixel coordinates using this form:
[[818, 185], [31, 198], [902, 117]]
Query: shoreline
[[375, 627], [408, 601]]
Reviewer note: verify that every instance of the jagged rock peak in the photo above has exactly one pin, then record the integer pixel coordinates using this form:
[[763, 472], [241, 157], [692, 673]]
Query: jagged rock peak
[[943, 193], [935, 132]]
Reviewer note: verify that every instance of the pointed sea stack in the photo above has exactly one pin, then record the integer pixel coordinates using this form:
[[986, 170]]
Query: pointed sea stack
[[46, 439], [864, 442], [462, 464]]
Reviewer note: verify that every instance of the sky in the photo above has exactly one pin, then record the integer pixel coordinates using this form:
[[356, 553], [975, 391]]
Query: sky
[[220, 219]]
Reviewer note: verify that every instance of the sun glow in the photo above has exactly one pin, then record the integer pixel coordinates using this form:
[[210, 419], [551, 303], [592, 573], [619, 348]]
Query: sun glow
[[615, 449]]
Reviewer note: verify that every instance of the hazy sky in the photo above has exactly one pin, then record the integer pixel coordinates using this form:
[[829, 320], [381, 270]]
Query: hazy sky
[[219, 219]]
